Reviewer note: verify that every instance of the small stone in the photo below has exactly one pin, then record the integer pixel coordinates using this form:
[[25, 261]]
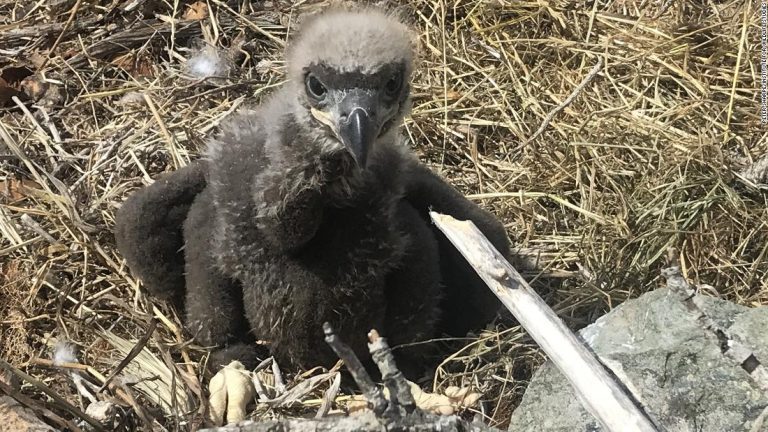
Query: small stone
[[103, 412]]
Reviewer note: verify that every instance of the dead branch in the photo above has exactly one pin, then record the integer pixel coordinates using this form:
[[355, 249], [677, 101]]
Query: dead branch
[[605, 399], [37, 406], [143, 31], [402, 401], [359, 374], [23, 35], [129, 39], [75, 411], [579, 88]]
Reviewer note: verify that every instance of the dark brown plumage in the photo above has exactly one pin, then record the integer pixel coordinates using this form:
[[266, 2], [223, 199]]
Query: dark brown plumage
[[311, 209]]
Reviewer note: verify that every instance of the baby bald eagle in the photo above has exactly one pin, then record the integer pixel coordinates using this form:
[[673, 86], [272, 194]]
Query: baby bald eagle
[[310, 208]]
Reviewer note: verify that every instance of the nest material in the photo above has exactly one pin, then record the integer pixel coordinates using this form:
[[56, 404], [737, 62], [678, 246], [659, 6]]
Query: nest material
[[640, 155]]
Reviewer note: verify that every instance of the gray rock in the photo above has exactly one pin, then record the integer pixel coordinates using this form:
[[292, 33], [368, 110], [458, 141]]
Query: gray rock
[[665, 358]]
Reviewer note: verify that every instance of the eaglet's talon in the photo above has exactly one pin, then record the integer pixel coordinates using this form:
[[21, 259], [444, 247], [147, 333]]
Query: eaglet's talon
[[231, 389], [450, 401]]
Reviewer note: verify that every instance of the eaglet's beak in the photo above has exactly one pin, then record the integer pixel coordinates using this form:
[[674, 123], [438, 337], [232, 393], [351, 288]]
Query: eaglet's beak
[[357, 133], [354, 121]]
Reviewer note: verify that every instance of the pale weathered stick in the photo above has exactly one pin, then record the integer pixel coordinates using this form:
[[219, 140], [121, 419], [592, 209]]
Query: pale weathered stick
[[598, 392]]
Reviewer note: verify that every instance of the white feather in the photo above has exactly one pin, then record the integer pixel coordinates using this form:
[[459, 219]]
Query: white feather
[[64, 352], [208, 62]]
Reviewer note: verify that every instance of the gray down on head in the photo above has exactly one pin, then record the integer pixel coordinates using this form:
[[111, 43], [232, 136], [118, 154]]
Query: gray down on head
[[310, 208]]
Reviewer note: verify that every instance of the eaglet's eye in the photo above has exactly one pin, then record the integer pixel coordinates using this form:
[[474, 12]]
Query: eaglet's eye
[[315, 88], [392, 87]]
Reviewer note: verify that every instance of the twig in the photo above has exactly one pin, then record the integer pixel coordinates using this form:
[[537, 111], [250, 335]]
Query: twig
[[579, 88], [131, 355], [121, 390], [71, 18], [662, 9], [605, 399], [177, 162], [65, 365], [360, 375], [131, 5], [52, 394], [35, 406], [300, 390], [34, 226], [399, 391], [247, 21]]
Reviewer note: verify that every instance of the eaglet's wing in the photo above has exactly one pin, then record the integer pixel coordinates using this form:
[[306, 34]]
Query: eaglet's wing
[[467, 303], [148, 229]]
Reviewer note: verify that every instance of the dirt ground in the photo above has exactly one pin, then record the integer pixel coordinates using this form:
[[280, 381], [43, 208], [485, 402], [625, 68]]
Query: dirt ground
[[600, 133]]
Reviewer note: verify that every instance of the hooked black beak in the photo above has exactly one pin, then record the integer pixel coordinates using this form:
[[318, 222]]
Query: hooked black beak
[[357, 133], [358, 123]]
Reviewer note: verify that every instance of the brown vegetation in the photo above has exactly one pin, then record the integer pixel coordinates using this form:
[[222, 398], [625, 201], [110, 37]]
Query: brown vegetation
[[95, 101]]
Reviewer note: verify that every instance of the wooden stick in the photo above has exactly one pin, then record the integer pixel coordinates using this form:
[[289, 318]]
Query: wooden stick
[[71, 18], [75, 411], [598, 392], [37, 406], [579, 88], [401, 400], [359, 374]]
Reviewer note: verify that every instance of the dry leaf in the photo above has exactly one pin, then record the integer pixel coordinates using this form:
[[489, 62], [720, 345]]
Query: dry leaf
[[137, 67], [44, 93], [196, 11], [13, 75], [56, 250], [16, 190], [452, 95]]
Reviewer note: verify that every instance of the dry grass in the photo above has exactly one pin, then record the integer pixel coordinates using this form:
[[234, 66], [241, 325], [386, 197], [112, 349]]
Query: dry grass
[[643, 156]]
